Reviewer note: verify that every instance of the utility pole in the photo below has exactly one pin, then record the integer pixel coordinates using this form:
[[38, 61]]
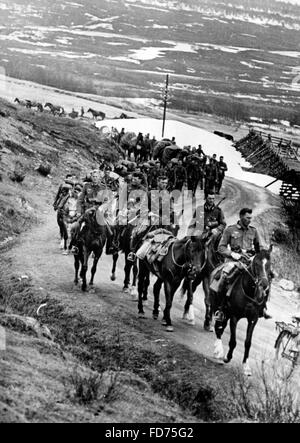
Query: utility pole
[[165, 98]]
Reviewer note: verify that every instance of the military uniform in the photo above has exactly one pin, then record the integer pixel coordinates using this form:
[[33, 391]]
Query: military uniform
[[89, 193], [222, 168], [180, 177], [240, 239], [213, 218], [211, 178], [162, 205]]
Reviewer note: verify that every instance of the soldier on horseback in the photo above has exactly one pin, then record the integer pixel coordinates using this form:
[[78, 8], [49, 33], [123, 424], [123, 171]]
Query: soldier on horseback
[[156, 212], [244, 242], [161, 203], [90, 191], [209, 222], [93, 195]]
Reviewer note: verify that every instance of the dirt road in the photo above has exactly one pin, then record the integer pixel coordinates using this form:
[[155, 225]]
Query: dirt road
[[38, 256]]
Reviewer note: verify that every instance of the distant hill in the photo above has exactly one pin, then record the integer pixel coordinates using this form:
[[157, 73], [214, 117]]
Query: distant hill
[[239, 59]]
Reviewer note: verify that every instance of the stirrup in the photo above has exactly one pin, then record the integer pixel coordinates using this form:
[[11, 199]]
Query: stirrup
[[131, 256]]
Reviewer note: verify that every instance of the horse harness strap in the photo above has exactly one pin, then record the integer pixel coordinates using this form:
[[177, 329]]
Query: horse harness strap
[[173, 256], [187, 264], [255, 281]]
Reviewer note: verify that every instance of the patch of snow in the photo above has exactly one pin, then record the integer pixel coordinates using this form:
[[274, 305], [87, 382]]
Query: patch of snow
[[249, 65]]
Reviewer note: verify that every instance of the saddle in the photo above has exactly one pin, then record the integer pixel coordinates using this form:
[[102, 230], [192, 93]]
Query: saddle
[[156, 245], [227, 271]]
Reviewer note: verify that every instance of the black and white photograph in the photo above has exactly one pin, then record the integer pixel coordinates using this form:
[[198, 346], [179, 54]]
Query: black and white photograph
[[150, 214]]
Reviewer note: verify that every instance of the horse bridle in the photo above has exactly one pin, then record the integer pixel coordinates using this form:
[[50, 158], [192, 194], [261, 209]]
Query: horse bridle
[[187, 265], [185, 254], [256, 282]]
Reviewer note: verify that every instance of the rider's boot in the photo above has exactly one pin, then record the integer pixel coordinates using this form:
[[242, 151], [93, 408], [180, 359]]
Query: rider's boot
[[222, 288]]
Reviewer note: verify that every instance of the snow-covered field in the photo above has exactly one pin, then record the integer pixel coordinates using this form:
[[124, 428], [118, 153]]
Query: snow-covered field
[[190, 135]]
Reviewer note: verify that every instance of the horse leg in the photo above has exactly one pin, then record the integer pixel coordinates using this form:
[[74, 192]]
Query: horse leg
[[146, 286], [134, 273], [133, 290], [189, 315], [189, 300], [170, 290], [61, 230], [127, 269], [66, 237], [113, 272], [76, 265], [94, 268], [141, 276], [219, 329], [250, 329], [84, 268], [208, 309], [156, 291], [232, 342]]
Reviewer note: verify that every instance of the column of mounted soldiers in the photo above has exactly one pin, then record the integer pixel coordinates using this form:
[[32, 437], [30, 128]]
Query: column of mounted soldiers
[[141, 169]]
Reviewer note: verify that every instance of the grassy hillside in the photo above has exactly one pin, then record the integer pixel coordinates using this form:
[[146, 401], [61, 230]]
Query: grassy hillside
[[102, 365]]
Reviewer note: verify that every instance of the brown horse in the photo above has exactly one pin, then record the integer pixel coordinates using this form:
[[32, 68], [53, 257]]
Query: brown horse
[[97, 114], [210, 259], [183, 260], [92, 238], [26, 103], [124, 234], [37, 105], [247, 300], [55, 110]]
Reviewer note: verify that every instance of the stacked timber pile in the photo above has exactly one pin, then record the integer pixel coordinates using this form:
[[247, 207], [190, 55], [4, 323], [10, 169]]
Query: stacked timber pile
[[278, 158], [270, 155]]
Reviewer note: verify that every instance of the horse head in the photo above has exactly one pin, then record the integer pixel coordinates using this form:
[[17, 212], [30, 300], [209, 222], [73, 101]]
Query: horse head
[[261, 268], [195, 254], [214, 259]]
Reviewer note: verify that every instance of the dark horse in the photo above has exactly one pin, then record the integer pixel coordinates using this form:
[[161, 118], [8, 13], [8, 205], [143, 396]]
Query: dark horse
[[124, 234], [37, 105], [210, 260], [56, 110], [183, 260], [97, 114], [92, 238], [26, 103], [247, 300]]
